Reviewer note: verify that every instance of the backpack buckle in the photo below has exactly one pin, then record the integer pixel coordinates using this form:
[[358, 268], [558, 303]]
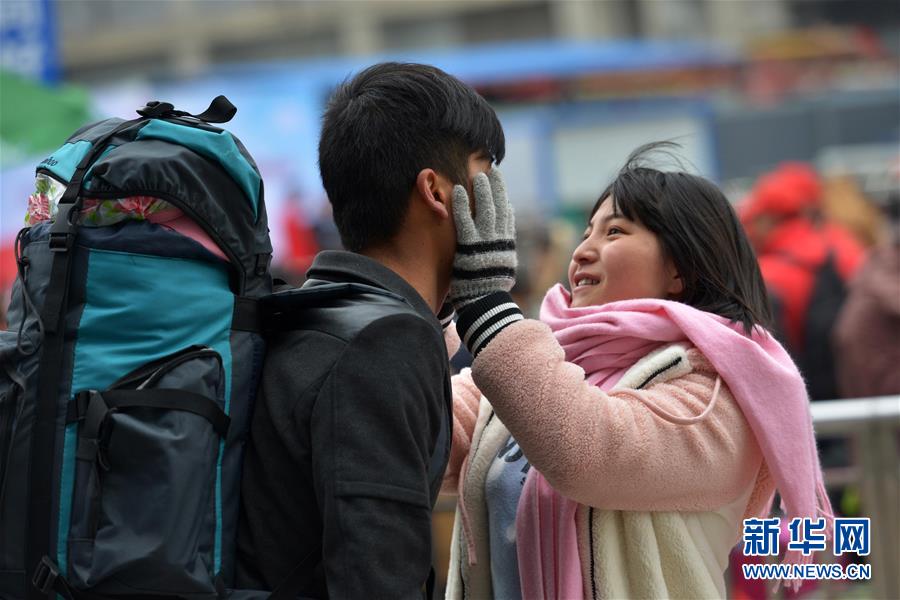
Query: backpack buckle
[[61, 242], [62, 232], [261, 266], [45, 575], [89, 447], [156, 109]]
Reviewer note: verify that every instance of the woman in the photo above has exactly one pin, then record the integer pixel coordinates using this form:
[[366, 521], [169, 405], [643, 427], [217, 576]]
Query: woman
[[620, 442]]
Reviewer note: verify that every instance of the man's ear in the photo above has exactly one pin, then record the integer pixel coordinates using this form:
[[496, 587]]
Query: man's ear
[[435, 191]]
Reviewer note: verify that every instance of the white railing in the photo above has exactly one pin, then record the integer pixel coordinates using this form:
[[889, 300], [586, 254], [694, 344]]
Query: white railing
[[873, 427]]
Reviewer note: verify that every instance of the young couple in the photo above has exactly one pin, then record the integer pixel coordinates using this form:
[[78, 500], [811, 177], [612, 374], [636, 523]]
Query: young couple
[[609, 450]]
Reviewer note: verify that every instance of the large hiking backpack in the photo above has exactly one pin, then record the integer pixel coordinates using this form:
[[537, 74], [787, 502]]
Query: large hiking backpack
[[131, 361]]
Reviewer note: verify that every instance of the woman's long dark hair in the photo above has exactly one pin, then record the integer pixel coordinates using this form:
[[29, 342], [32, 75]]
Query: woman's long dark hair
[[699, 231]]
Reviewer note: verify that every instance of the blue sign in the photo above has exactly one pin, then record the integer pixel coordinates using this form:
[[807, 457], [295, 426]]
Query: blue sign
[[28, 44]]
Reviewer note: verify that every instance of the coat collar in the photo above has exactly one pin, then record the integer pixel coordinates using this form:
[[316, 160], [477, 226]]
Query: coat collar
[[658, 366], [340, 266]]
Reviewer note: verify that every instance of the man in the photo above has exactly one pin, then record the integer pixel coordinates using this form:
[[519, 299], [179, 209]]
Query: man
[[350, 434]]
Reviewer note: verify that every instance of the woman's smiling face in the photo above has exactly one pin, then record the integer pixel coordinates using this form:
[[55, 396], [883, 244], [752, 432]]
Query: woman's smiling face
[[619, 259]]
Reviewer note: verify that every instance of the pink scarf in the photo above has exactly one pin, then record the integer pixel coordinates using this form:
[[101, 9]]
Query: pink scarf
[[605, 341]]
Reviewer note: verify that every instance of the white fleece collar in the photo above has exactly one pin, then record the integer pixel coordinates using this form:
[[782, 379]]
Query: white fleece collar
[[660, 365]]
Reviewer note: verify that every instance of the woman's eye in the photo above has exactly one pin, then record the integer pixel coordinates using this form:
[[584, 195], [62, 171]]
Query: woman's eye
[[613, 230]]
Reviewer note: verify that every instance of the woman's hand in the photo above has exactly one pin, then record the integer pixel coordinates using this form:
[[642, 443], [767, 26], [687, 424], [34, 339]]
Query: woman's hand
[[485, 260]]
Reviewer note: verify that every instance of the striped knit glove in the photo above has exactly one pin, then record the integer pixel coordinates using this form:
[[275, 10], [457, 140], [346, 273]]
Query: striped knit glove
[[484, 268]]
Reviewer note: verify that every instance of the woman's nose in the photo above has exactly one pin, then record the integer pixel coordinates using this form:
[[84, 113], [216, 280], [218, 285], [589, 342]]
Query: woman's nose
[[584, 253]]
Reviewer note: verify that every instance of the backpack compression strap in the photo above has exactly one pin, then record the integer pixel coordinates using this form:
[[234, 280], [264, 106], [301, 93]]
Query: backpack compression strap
[[53, 314]]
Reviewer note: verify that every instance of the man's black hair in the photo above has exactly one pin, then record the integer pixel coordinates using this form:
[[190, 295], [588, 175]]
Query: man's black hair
[[385, 125]]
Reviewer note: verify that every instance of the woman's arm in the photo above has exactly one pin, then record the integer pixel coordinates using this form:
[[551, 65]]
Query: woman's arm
[[610, 450]]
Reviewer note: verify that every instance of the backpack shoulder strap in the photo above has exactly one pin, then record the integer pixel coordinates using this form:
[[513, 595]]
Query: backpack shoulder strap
[[292, 309]]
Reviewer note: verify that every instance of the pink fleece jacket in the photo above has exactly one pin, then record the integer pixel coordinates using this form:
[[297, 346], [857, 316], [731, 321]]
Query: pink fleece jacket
[[629, 458], [613, 451]]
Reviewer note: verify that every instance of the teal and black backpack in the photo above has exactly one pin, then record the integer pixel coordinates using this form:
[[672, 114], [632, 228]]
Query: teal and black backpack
[[131, 361]]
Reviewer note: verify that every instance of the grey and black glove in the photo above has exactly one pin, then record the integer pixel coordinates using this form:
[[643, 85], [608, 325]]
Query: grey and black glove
[[485, 260], [484, 268]]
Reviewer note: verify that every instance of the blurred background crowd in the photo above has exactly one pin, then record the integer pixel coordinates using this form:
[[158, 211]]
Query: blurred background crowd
[[791, 106]]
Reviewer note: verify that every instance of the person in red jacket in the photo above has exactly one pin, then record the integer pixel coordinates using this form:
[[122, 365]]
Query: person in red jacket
[[805, 261]]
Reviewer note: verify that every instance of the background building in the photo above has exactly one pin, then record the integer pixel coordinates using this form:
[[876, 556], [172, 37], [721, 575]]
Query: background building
[[741, 85]]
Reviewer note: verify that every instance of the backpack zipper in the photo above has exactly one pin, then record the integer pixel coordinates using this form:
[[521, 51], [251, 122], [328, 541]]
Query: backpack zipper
[[211, 232], [150, 373], [177, 202]]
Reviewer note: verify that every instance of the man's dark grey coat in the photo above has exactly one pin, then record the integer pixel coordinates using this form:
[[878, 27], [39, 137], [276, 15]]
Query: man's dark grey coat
[[336, 473]]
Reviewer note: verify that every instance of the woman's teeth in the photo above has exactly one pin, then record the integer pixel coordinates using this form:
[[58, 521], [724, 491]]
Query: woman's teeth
[[587, 282]]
